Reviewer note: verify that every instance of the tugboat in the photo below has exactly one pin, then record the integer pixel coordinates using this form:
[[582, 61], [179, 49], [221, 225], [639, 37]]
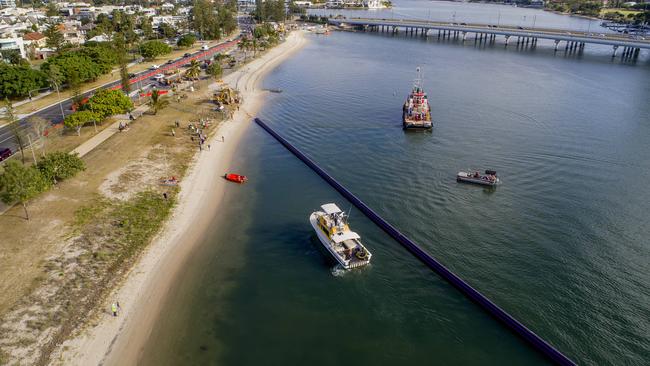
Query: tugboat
[[488, 179], [331, 226], [416, 112]]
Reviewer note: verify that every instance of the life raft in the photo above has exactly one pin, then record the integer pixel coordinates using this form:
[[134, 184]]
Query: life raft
[[361, 254], [236, 178]]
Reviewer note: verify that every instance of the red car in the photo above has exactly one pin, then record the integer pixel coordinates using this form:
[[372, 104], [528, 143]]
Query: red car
[[5, 153]]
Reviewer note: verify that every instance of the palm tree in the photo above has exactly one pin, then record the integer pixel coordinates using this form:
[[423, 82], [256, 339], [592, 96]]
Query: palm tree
[[194, 71], [244, 45], [157, 102]]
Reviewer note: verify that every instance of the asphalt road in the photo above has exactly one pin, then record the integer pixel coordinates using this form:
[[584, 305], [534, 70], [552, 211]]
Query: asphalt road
[[142, 80]]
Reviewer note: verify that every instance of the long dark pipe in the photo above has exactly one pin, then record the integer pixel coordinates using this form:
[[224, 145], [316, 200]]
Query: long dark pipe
[[493, 309]]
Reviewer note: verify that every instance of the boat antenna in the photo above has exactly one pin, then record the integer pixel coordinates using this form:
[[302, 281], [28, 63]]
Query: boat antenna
[[349, 210]]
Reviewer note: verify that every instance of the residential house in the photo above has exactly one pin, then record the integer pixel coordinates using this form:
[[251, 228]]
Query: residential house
[[13, 44]]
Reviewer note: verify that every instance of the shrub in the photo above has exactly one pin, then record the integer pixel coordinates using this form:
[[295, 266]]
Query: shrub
[[152, 49], [57, 166], [186, 40]]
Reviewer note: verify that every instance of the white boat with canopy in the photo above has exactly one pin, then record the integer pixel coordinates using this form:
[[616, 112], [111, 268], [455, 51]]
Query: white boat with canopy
[[331, 226]]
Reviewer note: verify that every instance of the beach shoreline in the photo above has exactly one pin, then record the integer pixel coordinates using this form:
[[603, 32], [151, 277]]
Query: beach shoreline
[[119, 340]]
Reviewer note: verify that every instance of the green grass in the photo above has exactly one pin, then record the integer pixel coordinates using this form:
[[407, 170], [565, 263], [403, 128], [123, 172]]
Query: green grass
[[623, 11]]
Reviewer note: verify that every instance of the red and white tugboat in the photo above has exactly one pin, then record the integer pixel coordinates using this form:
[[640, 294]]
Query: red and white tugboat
[[416, 112]]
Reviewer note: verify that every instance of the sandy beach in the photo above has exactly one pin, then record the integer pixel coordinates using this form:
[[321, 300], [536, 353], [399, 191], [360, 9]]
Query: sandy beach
[[119, 340]]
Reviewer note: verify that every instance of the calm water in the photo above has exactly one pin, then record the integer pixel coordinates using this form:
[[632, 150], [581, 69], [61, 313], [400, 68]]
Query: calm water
[[562, 244]]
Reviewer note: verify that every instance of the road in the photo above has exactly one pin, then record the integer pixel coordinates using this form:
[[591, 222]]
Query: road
[[142, 80]]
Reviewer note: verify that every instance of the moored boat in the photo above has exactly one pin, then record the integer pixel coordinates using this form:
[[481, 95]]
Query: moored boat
[[416, 112], [331, 226], [488, 179], [235, 178]]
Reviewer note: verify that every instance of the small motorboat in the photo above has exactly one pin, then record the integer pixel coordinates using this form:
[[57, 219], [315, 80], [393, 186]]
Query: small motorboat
[[488, 179], [235, 178]]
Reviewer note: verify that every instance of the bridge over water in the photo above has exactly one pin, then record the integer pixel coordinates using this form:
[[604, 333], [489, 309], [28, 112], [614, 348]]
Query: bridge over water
[[573, 40]]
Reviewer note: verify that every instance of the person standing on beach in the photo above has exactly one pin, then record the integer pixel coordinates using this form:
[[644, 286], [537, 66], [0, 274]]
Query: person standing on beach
[[222, 139], [114, 309]]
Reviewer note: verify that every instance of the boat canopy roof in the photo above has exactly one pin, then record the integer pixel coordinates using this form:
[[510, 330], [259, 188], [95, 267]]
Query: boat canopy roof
[[330, 208], [345, 235]]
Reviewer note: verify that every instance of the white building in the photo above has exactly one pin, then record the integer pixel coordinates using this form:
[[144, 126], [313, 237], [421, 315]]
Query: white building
[[13, 44], [7, 3]]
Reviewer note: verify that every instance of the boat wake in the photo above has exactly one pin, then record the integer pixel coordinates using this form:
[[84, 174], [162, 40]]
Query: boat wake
[[338, 271]]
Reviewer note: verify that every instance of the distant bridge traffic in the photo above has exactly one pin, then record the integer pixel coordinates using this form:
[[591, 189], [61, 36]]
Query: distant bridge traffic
[[573, 40]]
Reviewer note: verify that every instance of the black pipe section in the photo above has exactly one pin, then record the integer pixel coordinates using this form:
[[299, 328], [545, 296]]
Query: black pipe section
[[493, 309]]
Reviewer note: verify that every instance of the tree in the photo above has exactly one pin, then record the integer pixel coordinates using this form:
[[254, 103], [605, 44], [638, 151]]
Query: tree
[[54, 36], [14, 127], [39, 126], [19, 183], [194, 70], [146, 27], [59, 165], [244, 45], [186, 40], [152, 49], [167, 30], [120, 47], [79, 119], [108, 102], [157, 102], [52, 10], [215, 70], [18, 81], [55, 78], [13, 56]]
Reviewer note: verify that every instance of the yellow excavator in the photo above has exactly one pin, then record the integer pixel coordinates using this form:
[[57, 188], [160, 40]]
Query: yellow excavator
[[226, 96]]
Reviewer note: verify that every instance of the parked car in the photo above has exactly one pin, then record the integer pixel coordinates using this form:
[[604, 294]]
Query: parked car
[[154, 67], [131, 76], [158, 77], [187, 54], [205, 47], [5, 153]]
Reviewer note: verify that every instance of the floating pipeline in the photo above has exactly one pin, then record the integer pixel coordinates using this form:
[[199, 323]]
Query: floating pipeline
[[493, 309]]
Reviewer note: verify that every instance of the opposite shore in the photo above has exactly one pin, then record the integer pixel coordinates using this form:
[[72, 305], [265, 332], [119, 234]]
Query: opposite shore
[[119, 340]]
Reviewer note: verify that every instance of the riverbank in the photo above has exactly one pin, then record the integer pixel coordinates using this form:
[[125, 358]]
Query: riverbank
[[118, 340]]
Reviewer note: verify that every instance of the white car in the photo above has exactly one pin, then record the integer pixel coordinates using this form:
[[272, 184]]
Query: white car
[[205, 47], [159, 77], [154, 67]]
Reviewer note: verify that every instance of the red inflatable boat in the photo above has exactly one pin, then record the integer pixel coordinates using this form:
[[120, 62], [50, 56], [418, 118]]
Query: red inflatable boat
[[236, 178]]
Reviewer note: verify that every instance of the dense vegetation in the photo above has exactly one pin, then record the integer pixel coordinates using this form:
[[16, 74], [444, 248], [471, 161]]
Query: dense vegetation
[[186, 40], [152, 49], [270, 10], [212, 20], [589, 8], [20, 183], [18, 80]]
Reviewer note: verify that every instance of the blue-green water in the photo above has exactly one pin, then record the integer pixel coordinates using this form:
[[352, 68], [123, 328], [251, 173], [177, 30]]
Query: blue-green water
[[562, 244]]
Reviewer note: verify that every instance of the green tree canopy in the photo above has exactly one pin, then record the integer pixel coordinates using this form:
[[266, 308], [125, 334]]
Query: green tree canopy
[[108, 102], [18, 81], [186, 40], [57, 166], [79, 119], [74, 61], [152, 49], [54, 36], [167, 30], [215, 70], [157, 102], [19, 183]]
